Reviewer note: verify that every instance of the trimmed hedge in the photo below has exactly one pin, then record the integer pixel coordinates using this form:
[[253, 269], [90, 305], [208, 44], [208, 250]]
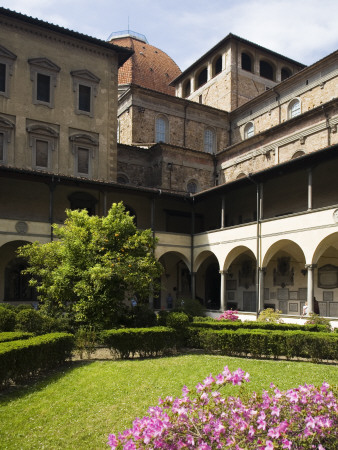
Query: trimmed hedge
[[128, 342], [264, 343], [21, 359], [219, 324], [14, 336]]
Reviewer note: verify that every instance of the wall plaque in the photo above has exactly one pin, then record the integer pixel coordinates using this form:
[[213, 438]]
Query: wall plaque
[[266, 294], [283, 294], [327, 296], [302, 293], [21, 227], [328, 276], [231, 285], [293, 295], [333, 309], [283, 306], [323, 308], [293, 307]]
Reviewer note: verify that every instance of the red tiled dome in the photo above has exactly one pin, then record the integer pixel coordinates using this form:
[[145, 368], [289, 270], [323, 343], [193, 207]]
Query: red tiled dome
[[148, 67]]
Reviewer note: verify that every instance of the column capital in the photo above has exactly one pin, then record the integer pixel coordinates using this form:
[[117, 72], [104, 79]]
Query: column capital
[[310, 266], [223, 272], [262, 269]]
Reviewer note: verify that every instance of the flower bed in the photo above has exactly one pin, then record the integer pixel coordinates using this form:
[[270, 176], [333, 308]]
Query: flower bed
[[304, 417]]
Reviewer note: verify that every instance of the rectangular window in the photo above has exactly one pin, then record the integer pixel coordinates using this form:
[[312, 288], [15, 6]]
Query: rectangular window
[[41, 153], [2, 77], [43, 88], [2, 140], [83, 160], [84, 97]]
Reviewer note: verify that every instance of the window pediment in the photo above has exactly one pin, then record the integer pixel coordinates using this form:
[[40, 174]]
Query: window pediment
[[85, 75], [44, 63], [42, 129], [5, 123], [84, 139], [6, 54]]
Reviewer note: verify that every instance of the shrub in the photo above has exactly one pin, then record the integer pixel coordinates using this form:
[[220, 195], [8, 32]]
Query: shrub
[[266, 343], [229, 315], [85, 341], [129, 342], [203, 418], [270, 315], [29, 320], [14, 336], [315, 319], [20, 359], [7, 319], [192, 307], [142, 316], [162, 317], [177, 320]]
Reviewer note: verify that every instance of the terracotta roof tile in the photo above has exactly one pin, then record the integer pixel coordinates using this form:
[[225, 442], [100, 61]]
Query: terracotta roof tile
[[148, 67]]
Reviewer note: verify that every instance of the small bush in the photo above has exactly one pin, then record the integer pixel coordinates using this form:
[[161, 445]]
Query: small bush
[[7, 319], [20, 359], [29, 320], [270, 315], [192, 307], [315, 319], [130, 342], [177, 320], [14, 336], [85, 341], [162, 318], [229, 315]]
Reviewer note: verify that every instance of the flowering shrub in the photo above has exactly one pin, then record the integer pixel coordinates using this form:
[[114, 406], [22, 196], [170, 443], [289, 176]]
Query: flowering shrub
[[228, 315], [305, 417]]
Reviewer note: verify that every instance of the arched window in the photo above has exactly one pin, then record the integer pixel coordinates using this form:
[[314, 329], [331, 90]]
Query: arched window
[[285, 73], [131, 213], [298, 154], [249, 130], [122, 179], [266, 70], [294, 108], [162, 129], [209, 140], [241, 175], [83, 200], [16, 283], [192, 187], [246, 62], [187, 89], [217, 66], [202, 77]]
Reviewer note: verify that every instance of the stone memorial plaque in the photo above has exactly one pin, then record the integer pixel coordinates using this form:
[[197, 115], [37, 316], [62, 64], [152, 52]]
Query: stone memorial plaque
[[302, 293], [283, 294], [230, 295], [273, 295], [322, 308], [327, 296], [266, 294], [283, 306], [293, 307], [328, 277], [231, 285], [333, 309], [293, 295]]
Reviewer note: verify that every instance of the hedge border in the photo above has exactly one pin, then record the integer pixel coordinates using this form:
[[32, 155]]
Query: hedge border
[[7, 336]]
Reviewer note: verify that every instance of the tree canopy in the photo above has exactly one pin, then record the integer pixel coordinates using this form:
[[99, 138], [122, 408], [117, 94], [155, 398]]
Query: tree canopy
[[93, 266]]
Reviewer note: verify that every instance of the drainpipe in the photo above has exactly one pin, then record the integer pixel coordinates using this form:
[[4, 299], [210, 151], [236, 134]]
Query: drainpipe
[[192, 273], [51, 208], [258, 219], [184, 123]]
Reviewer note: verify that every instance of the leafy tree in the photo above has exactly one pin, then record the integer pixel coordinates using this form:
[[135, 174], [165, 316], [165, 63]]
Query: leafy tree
[[93, 266]]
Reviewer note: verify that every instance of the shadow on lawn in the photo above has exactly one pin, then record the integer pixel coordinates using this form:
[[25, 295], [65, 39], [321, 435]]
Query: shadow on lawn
[[39, 382]]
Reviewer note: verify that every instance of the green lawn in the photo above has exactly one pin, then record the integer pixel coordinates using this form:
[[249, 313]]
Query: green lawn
[[77, 407]]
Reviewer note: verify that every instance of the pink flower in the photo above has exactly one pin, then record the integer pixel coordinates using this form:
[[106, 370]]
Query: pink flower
[[268, 445]]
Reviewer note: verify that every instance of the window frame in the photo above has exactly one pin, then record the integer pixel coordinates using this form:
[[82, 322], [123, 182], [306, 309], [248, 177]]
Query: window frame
[[42, 132], [161, 119], [7, 58], [43, 66], [249, 130], [86, 142], [6, 129], [88, 79], [209, 145], [291, 111]]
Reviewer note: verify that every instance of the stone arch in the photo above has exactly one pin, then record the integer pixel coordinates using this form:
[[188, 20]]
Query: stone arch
[[234, 253], [208, 279], [297, 154], [13, 284], [217, 65], [176, 278], [285, 245], [267, 69], [201, 77], [324, 245]]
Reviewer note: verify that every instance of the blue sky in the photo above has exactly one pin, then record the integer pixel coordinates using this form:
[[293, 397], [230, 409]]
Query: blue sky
[[304, 30]]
